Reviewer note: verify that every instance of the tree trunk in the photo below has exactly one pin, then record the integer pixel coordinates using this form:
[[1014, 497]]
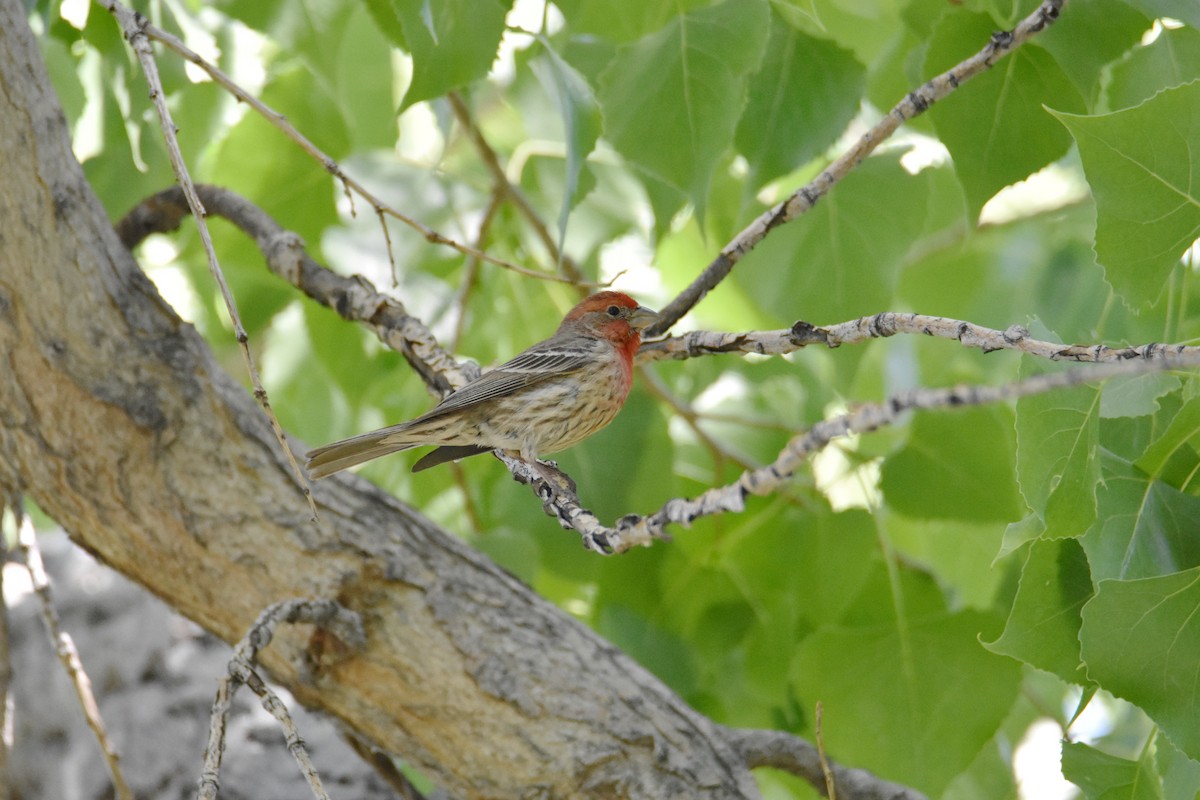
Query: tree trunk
[[116, 420]]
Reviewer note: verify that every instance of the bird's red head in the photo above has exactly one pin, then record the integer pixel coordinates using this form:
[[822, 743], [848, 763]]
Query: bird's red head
[[613, 316], [610, 315]]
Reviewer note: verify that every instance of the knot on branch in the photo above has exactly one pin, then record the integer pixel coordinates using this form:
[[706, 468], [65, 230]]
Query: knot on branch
[[805, 333], [285, 254]]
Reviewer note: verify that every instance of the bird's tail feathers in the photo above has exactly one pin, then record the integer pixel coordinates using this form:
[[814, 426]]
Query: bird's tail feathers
[[331, 458]]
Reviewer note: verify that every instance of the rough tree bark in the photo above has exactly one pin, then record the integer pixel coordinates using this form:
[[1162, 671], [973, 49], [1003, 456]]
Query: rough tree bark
[[116, 420]]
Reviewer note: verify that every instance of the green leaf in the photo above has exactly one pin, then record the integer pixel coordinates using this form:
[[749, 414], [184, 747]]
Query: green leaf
[[1135, 397], [1043, 625], [581, 123], [1099, 33], [1173, 455], [1057, 469], [1105, 777], [672, 99], [452, 42], [995, 127], [1141, 641], [839, 260], [1144, 527], [1170, 60], [801, 100], [920, 701], [1144, 174], [955, 466]]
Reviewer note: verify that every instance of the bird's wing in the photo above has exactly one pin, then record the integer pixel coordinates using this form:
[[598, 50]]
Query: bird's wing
[[544, 361]]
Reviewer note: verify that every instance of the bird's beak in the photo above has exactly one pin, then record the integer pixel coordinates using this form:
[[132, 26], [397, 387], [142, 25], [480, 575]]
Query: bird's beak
[[642, 317]]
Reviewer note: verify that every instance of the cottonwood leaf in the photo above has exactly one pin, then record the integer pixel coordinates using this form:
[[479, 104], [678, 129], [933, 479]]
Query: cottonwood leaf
[[672, 99], [921, 700], [1106, 777], [1043, 626], [452, 42], [800, 101], [1143, 165], [1141, 641], [1057, 468], [996, 128]]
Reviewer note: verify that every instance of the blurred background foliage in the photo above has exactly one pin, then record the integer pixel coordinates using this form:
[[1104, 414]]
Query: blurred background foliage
[[959, 592]]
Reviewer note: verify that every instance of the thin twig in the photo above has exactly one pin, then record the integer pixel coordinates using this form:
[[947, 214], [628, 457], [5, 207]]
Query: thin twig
[[470, 277], [135, 26], [64, 648], [295, 743], [326, 614], [830, 784], [889, 323], [787, 752], [355, 299], [487, 154], [804, 198], [719, 452]]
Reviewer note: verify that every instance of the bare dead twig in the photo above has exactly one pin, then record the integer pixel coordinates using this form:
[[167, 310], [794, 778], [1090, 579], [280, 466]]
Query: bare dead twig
[[135, 26], [356, 299], [804, 198], [830, 783], [327, 614], [64, 648]]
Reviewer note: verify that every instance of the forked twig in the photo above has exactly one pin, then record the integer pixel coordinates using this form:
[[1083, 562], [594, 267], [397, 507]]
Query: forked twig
[[324, 613]]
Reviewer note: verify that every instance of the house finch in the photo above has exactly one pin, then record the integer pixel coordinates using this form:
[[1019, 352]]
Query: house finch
[[551, 396]]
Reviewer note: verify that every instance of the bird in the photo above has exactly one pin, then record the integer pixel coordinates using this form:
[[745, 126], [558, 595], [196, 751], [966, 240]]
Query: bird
[[547, 398]]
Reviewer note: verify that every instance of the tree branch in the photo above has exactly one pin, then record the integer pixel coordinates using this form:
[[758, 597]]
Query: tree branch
[[633, 530], [889, 323], [804, 198], [787, 752], [133, 26]]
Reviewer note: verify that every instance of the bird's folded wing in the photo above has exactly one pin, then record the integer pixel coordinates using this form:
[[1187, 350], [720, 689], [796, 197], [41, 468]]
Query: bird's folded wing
[[535, 365]]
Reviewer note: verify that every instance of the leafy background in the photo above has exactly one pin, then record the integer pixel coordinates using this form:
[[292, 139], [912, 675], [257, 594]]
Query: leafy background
[[946, 589]]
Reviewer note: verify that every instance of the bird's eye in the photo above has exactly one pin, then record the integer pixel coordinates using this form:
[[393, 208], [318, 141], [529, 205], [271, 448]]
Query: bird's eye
[[613, 311]]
